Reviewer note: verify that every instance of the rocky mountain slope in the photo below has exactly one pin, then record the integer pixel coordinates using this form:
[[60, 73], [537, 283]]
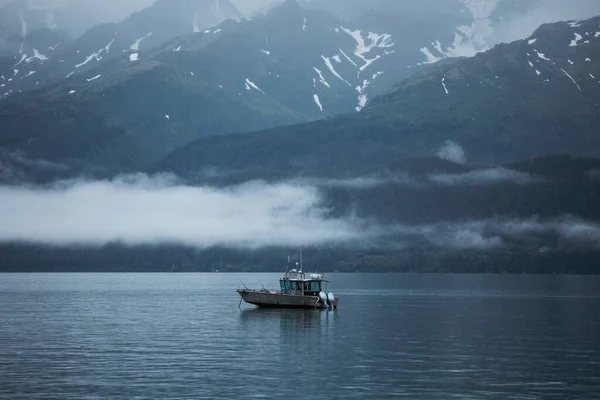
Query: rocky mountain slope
[[128, 111], [529, 98], [57, 57]]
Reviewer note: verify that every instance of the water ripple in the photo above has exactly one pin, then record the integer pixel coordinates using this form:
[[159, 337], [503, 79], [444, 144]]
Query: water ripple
[[128, 336]]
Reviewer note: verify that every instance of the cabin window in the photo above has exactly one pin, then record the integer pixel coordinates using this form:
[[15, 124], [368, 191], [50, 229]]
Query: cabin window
[[287, 285], [282, 284], [293, 285], [315, 287]]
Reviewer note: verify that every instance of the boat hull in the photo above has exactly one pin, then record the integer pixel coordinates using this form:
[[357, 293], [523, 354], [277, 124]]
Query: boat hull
[[268, 299]]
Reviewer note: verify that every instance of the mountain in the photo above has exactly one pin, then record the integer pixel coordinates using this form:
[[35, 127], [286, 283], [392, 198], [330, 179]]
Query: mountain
[[143, 30], [529, 98], [26, 55], [130, 110], [424, 32]]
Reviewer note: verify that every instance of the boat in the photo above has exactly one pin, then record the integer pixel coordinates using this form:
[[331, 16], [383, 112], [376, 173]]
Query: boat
[[296, 290]]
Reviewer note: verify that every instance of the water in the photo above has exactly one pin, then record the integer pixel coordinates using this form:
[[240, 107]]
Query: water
[[78, 336]]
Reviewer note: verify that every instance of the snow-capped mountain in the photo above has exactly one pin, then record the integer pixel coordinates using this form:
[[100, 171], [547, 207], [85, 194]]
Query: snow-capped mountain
[[427, 31], [531, 98], [126, 106], [27, 56], [57, 59], [288, 66]]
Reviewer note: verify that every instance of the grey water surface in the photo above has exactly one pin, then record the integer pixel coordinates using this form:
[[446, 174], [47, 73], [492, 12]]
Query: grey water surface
[[170, 336]]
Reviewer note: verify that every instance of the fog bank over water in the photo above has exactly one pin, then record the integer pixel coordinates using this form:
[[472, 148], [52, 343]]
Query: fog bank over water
[[141, 210]]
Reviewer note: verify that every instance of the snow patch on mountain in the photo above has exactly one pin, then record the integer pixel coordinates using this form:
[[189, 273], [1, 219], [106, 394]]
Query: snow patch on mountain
[[333, 71], [89, 58], [365, 45], [541, 55], [362, 96], [249, 84], [93, 78], [444, 85], [134, 57], [575, 41], [39, 56], [136, 45], [318, 102], [430, 58], [23, 58], [348, 58], [321, 78], [52, 48], [570, 77], [107, 47]]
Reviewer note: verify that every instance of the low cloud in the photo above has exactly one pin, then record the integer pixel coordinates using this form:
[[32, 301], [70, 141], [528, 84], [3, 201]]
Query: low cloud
[[522, 25], [496, 233], [456, 236], [361, 182], [452, 151], [483, 177], [143, 210]]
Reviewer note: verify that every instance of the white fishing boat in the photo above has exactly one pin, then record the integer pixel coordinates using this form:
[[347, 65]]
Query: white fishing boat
[[296, 290]]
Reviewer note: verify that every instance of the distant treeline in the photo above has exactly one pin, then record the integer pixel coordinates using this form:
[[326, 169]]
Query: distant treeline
[[116, 258]]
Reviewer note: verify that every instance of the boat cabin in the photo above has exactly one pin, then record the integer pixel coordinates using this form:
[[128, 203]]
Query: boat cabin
[[295, 281]]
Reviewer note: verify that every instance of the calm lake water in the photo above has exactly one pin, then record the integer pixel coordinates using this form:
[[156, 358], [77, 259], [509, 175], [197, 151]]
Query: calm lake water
[[80, 336]]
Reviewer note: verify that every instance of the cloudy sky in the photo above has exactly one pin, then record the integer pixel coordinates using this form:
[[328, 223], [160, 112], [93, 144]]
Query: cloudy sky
[[548, 10], [117, 9]]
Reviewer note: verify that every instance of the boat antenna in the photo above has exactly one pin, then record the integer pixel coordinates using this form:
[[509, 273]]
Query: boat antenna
[[263, 286], [301, 265], [245, 287]]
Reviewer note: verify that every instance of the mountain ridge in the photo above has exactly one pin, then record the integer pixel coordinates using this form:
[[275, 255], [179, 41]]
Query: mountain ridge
[[495, 105], [141, 31], [295, 69]]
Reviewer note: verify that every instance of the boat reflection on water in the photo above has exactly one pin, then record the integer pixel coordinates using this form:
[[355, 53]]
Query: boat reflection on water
[[289, 318]]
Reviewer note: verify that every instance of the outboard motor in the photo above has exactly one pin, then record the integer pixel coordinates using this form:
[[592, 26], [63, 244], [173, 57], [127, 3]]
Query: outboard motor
[[331, 299], [324, 300]]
